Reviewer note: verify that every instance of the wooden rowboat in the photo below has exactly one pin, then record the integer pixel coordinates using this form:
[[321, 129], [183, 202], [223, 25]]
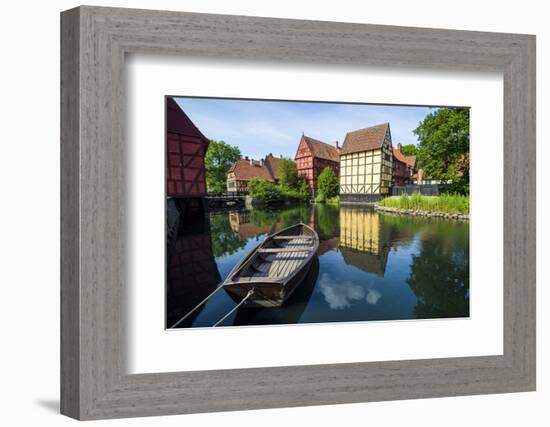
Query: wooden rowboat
[[269, 274]]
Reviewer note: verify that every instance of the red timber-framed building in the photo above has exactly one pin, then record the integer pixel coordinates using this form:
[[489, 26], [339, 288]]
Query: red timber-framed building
[[185, 150], [402, 167], [313, 156]]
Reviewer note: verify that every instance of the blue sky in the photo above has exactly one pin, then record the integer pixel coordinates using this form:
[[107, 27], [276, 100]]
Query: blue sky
[[262, 127]]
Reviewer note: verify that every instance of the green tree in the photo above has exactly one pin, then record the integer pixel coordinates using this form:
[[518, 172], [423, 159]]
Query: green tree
[[409, 150], [219, 158], [288, 174], [263, 190], [327, 184], [444, 149]]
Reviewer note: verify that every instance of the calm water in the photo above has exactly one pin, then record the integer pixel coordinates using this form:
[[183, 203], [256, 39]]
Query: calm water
[[369, 266]]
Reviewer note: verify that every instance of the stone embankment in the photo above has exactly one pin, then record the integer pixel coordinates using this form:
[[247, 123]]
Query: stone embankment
[[429, 214]]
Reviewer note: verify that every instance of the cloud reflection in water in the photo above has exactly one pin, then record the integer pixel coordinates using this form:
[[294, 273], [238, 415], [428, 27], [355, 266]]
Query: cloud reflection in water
[[339, 295]]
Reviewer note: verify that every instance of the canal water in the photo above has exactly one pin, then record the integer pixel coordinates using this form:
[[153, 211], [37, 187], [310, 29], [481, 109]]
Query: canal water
[[369, 266]]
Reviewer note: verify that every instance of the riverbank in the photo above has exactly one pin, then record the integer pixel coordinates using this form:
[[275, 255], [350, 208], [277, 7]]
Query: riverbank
[[430, 214], [451, 206]]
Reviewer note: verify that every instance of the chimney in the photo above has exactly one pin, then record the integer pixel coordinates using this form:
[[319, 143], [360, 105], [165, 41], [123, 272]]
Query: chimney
[[337, 145], [399, 147]]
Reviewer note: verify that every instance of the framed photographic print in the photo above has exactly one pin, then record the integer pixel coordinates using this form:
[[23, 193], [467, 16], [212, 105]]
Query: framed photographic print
[[292, 213]]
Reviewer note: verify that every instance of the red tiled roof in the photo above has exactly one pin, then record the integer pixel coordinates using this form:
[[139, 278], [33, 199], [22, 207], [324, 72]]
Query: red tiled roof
[[272, 163], [411, 161], [397, 154], [408, 160], [245, 170], [322, 149], [365, 139]]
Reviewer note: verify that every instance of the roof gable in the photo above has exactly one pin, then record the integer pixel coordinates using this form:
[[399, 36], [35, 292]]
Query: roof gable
[[245, 170], [178, 122], [366, 139], [321, 149], [272, 164]]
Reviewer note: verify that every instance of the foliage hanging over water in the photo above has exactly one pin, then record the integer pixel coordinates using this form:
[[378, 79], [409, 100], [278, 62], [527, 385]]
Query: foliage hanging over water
[[444, 150], [449, 203]]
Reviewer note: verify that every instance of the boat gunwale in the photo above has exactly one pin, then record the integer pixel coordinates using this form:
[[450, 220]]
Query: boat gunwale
[[284, 280]]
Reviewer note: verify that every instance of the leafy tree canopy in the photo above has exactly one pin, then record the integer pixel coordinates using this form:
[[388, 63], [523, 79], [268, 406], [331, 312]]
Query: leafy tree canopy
[[444, 150], [327, 184], [219, 158], [409, 150], [288, 174]]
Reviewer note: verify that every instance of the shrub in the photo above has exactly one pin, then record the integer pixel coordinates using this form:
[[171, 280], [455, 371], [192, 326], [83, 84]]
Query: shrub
[[327, 184], [263, 190]]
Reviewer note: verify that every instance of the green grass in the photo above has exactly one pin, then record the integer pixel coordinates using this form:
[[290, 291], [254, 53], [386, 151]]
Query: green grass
[[448, 203]]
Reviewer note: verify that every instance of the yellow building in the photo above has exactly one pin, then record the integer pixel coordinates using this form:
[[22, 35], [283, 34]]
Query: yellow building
[[366, 164]]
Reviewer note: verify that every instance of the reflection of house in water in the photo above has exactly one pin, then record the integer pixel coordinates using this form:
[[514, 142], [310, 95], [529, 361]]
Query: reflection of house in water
[[192, 274], [362, 241], [241, 223]]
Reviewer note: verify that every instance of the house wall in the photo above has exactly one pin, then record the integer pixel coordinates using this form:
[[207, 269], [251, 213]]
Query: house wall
[[185, 151], [310, 167], [401, 173], [185, 172], [366, 173], [304, 163], [235, 185]]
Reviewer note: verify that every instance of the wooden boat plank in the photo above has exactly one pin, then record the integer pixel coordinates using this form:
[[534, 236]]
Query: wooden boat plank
[[287, 257], [251, 279], [292, 237], [282, 259], [290, 265], [282, 250], [275, 266]]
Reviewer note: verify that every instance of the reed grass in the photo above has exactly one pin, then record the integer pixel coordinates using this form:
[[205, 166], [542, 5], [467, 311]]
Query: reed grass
[[448, 203]]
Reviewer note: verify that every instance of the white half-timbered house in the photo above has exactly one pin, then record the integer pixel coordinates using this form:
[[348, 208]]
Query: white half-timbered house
[[366, 164]]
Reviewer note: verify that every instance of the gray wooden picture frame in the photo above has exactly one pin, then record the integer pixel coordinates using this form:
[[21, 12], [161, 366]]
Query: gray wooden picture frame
[[94, 41]]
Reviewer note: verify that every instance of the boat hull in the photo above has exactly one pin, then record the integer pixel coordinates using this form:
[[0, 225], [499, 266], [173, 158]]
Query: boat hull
[[267, 294], [274, 269]]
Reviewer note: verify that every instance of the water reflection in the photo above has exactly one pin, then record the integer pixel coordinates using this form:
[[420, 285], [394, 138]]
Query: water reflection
[[369, 267], [192, 271], [361, 239]]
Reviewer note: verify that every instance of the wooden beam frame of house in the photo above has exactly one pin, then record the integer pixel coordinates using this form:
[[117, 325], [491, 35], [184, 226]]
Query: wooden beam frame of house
[[313, 156], [366, 165]]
